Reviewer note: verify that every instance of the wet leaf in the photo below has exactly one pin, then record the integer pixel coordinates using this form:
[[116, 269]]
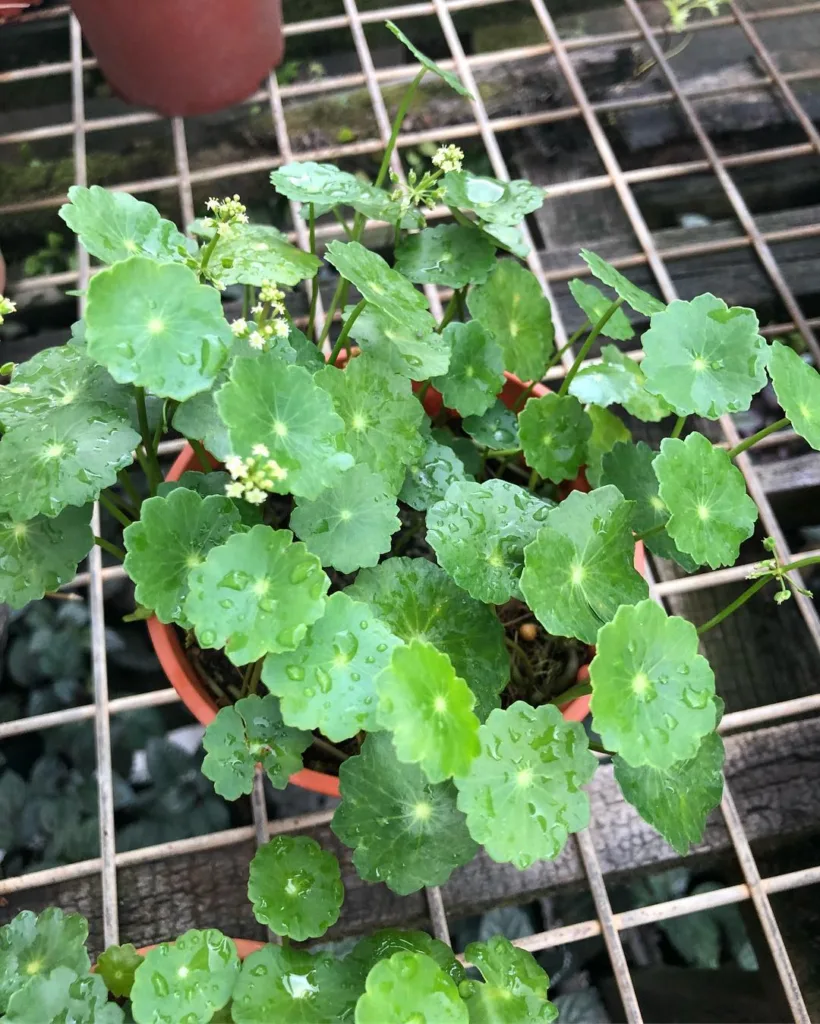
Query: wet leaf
[[797, 386], [595, 304], [408, 986], [381, 945], [116, 967], [32, 945], [409, 348], [498, 203], [377, 282], [607, 431], [619, 379], [450, 255], [554, 431], [476, 372], [445, 76], [206, 484], [61, 996], [496, 429], [515, 988], [511, 238], [258, 254], [637, 298], [427, 479]]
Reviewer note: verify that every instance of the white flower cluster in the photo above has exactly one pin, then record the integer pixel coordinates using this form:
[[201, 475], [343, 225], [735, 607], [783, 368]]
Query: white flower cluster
[[448, 158], [254, 477], [6, 307], [226, 212], [258, 337]]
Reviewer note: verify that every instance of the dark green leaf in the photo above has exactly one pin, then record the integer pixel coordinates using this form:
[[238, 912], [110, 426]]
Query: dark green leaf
[[410, 348], [428, 479], [116, 967], [63, 996], [259, 254], [383, 944], [446, 76], [637, 298], [476, 373], [595, 304], [450, 255], [515, 989], [377, 282], [607, 431], [206, 484], [39, 555], [496, 429], [410, 987], [554, 431]]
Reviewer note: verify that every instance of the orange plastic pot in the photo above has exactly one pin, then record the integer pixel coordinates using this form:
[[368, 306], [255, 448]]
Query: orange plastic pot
[[193, 691], [183, 56]]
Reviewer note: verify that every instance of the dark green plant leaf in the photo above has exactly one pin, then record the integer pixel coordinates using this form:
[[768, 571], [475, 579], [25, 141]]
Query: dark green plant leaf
[[383, 944], [450, 255], [463, 447], [496, 429], [704, 358], [377, 282], [510, 238], [244, 734], [256, 594], [797, 386], [637, 298], [116, 967], [404, 830], [579, 569], [417, 600], [409, 348], [410, 987], [172, 537], [710, 513], [595, 304], [499, 203], [199, 419], [154, 325], [514, 309], [445, 76], [479, 532], [476, 373], [61, 996], [295, 887], [32, 945], [328, 682], [206, 484], [515, 989], [554, 431], [257, 254], [522, 794], [39, 555], [652, 693], [607, 431], [428, 479]]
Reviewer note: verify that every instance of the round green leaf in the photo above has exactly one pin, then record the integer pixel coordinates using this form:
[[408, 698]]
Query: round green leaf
[[154, 325], [579, 569], [637, 298], [704, 358], [797, 386], [710, 513], [351, 523], [383, 944], [450, 255], [607, 431], [172, 537], [404, 830], [425, 61], [199, 420], [257, 254], [410, 987], [185, 981], [479, 532], [515, 989], [514, 309], [409, 348], [250, 732], [677, 800], [380, 415], [417, 600], [38, 555], [463, 447], [500, 203], [270, 402], [328, 682], [116, 967], [376, 281], [63, 996], [32, 945], [522, 794], [652, 693], [114, 225], [496, 429], [595, 304], [554, 431], [476, 373], [295, 887], [429, 710], [207, 484], [615, 371], [427, 479], [255, 594]]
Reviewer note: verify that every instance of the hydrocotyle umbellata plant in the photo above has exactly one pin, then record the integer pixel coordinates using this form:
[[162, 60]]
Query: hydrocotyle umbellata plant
[[383, 565]]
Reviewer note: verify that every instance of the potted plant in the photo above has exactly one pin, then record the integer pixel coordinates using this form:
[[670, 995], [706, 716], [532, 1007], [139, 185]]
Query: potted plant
[[420, 672]]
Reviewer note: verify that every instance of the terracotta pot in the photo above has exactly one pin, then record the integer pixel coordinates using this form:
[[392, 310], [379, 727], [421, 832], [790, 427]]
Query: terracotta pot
[[194, 693], [183, 56]]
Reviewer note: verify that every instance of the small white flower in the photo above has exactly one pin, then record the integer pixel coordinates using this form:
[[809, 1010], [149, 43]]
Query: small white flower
[[281, 328], [212, 204], [235, 489], [259, 308], [255, 496], [260, 449], [236, 466], [275, 470], [6, 306], [239, 327], [256, 340], [448, 158]]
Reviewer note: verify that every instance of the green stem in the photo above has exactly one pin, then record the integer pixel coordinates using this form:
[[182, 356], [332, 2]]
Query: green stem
[[121, 503], [201, 455], [593, 334], [535, 479], [397, 235], [751, 441], [314, 284], [516, 648], [503, 453], [341, 290], [677, 430], [460, 218], [601, 749], [328, 748], [153, 471], [347, 230], [246, 301], [127, 484], [573, 693], [112, 549], [207, 252], [345, 331], [253, 674], [650, 532], [555, 358], [421, 394], [404, 106], [450, 311], [109, 505]]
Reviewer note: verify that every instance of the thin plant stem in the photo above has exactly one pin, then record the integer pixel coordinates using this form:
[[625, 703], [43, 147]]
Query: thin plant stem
[[345, 226], [345, 331], [397, 235], [312, 227], [341, 290], [573, 693], [504, 453], [650, 532], [122, 503], [677, 430], [554, 359], [117, 513], [127, 484], [460, 218], [246, 301], [401, 113], [250, 680], [593, 334], [421, 394], [749, 442], [600, 749], [450, 311], [207, 252], [535, 479], [201, 455], [328, 748], [314, 284], [153, 471], [112, 549], [517, 649]]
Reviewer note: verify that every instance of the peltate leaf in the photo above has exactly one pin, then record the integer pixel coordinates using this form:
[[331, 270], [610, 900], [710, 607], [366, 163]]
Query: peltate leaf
[[154, 325], [445, 76], [496, 429], [652, 693], [116, 967], [637, 298], [427, 479], [607, 431], [295, 887], [409, 348], [33, 945], [259, 253], [554, 431], [376, 281], [595, 304], [476, 373], [499, 203], [710, 513], [255, 594], [450, 255], [578, 570], [515, 989], [797, 386], [38, 555], [404, 830], [410, 986], [248, 732], [522, 794], [383, 944], [61, 996], [328, 682]]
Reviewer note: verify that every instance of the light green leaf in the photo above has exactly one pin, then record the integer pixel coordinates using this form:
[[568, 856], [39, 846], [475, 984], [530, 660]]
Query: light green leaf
[[116, 967], [379, 414], [496, 429], [270, 402], [404, 830], [445, 76], [154, 325], [295, 887], [172, 537], [248, 732], [463, 447], [652, 693], [502, 203], [554, 431], [39, 555], [617, 378], [199, 419], [704, 358], [32, 945], [62, 996], [579, 569], [429, 711], [417, 600], [637, 298], [522, 796], [476, 373], [595, 304], [479, 532], [450, 255], [376, 281], [257, 254], [114, 226], [515, 989], [710, 513], [255, 594], [328, 682], [428, 479], [381, 945], [410, 987], [513, 308], [677, 800], [410, 348], [510, 238], [797, 386], [206, 484], [629, 468], [607, 431], [186, 980]]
